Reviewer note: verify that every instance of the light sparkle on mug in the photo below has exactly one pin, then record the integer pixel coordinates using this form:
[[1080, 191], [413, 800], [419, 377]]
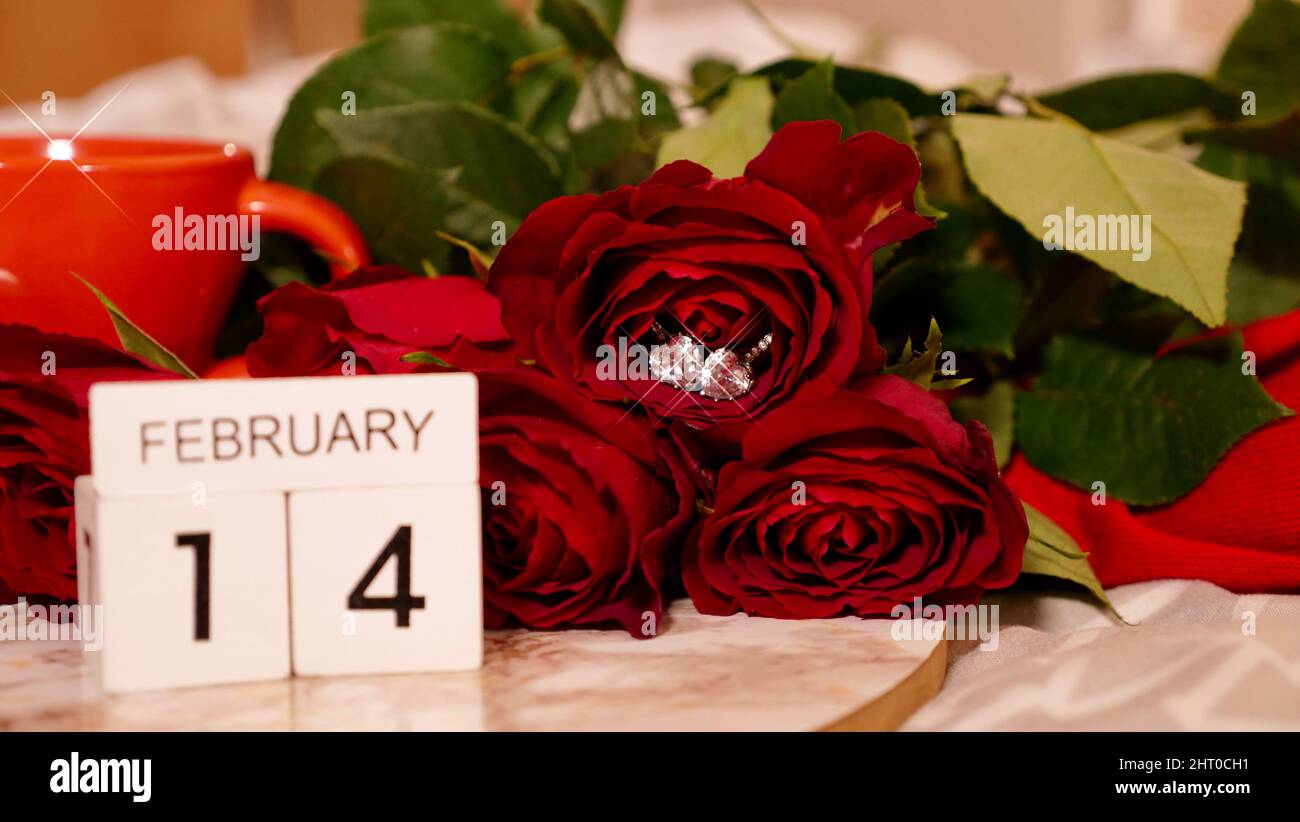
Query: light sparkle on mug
[[59, 150]]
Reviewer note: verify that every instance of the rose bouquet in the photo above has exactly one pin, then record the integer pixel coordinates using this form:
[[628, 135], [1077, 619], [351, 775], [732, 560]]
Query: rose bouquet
[[794, 480], [794, 342]]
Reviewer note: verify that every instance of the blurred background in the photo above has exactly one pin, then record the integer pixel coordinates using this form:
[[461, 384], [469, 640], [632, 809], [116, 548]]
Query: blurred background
[[224, 69]]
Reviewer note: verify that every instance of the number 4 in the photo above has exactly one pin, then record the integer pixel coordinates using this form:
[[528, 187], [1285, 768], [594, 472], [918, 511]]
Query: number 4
[[402, 603]]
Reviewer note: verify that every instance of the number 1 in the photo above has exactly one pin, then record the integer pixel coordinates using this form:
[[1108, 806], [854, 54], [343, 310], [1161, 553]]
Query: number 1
[[201, 543]]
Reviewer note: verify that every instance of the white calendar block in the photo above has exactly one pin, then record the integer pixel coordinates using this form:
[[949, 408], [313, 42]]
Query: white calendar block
[[386, 580], [194, 588], [83, 493], [242, 436]]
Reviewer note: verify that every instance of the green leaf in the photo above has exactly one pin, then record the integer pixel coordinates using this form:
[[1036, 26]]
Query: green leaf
[[541, 100], [583, 29], [858, 84], [1263, 277], [736, 131], [977, 305], [134, 339], [921, 367], [1278, 138], [1123, 99], [1150, 429], [1163, 134], [399, 208], [665, 117], [441, 62], [986, 89], [1268, 238], [1052, 552], [502, 173], [887, 117], [491, 17], [944, 175], [608, 12], [1255, 293], [996, 408], [425, 358], [603, 121], [1263, 56], [711, 73], [1259, 170], [1035, 169], [812, 97]]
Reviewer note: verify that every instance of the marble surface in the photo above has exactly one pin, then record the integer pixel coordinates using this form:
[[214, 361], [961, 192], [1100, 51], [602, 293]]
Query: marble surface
[[700, 673]]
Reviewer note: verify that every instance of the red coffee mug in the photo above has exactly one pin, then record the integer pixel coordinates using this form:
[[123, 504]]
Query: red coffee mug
[[162, 227]]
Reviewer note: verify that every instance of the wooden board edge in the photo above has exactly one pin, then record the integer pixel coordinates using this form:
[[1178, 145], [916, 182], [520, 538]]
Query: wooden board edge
[[892, 708]]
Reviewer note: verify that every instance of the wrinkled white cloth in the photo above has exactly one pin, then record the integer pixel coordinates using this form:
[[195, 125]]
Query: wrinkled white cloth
[[1196, 657]]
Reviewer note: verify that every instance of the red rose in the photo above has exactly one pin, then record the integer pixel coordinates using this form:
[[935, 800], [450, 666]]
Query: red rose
[[379, 314], [584, 508], [593, 505], [783, 250], [45, 381], [850, 502]]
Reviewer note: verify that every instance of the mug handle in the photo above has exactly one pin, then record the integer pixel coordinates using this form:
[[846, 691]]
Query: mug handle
[[316, 220], [306, 215]]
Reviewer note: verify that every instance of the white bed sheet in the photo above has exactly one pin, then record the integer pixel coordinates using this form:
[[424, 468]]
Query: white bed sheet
[[1197, 657]]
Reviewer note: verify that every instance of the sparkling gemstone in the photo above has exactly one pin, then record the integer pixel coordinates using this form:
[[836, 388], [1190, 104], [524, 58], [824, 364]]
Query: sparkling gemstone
[[679, 363], [725, 376]]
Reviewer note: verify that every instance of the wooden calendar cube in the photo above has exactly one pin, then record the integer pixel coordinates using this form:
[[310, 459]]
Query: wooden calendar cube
[[366, 486], [90, 607], [194, 587], [386, 580]]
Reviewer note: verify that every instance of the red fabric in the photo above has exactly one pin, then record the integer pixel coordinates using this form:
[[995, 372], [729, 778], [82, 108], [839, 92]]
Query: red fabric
[[1239, 529]]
